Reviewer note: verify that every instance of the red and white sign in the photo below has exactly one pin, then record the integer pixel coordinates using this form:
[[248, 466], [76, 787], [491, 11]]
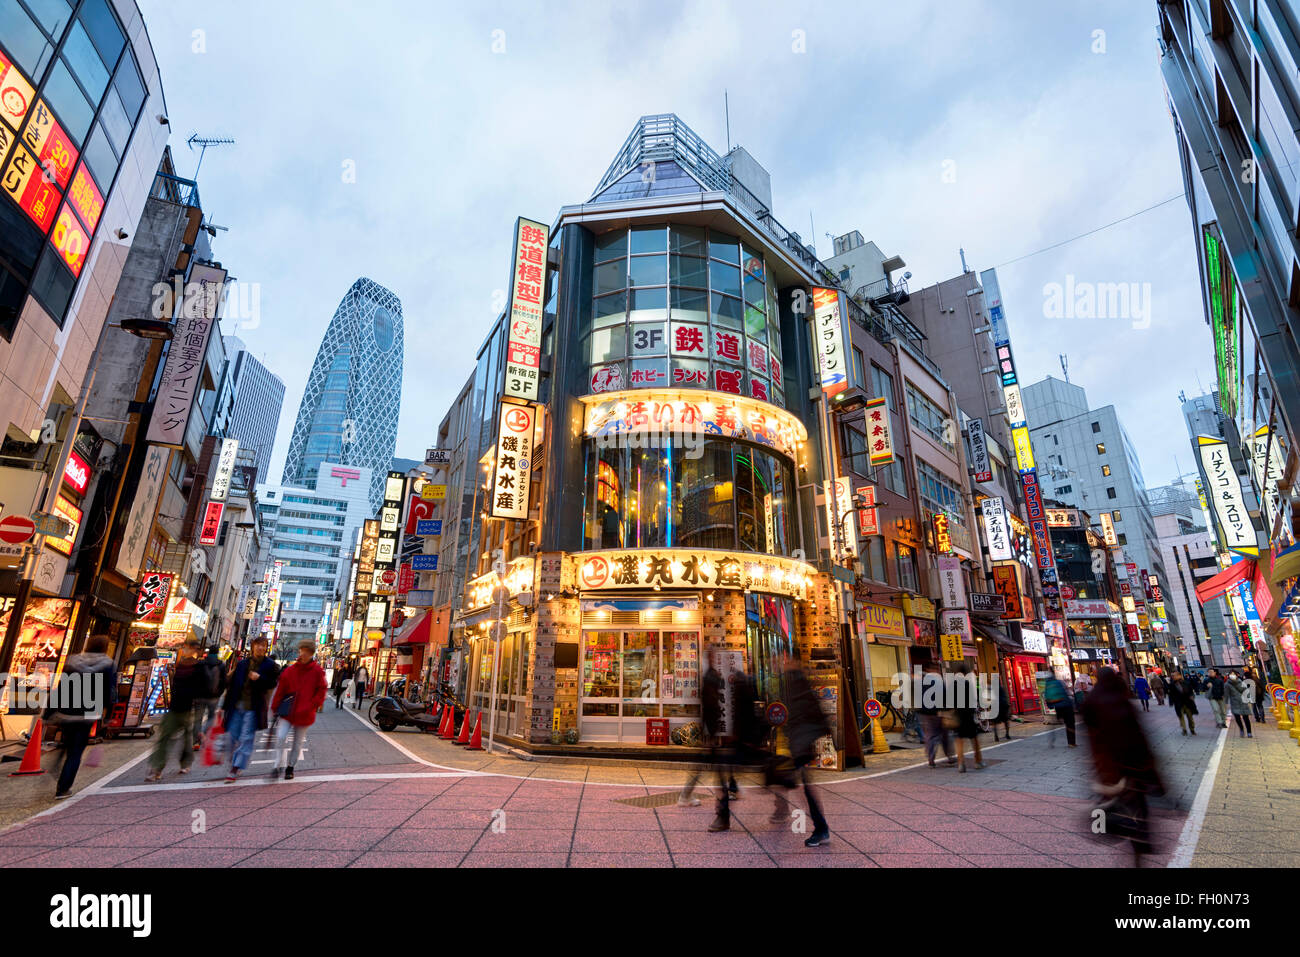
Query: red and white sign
[[76, 473], [879, 445], [726, 346], [527, 288], [15, 94], [25, 183], [16, 529], [1087, 608], [728, 380], [512, 477], [689, 339], [406, 579], [757, 357], [50, 144], [868, 516], [595, 572], [151, 602], [607, 379], [211, 523], [417, 510]]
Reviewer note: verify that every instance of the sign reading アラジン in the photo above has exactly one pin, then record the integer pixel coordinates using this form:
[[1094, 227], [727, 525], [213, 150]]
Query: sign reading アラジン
[[527, 288], [512, 477]]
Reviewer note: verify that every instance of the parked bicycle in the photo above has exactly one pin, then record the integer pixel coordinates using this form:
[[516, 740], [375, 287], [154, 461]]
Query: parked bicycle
[[895, 719]]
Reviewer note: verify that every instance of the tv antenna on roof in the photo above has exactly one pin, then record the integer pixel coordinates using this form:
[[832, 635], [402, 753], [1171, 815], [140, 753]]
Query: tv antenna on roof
[[1065, 366], [204, 142]]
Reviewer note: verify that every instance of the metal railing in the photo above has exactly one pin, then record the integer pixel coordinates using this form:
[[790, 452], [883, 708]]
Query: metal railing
[[173, 189]]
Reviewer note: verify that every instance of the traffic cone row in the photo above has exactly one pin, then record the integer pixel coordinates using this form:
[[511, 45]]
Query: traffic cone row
[[463, 737]]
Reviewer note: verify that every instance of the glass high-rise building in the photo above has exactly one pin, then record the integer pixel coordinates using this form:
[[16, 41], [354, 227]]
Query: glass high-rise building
[[350, 406], [257, 396]]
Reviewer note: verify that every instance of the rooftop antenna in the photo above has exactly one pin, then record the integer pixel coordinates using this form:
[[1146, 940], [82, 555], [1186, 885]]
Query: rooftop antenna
[[1065, 367], [726, 106], [204, 142], [964, 267]]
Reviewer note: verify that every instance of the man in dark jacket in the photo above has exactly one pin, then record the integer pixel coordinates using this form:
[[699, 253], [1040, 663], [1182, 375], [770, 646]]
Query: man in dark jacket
[[805, 727], [1183, 700], [244, 708], [87, 692], [1214, 691], [712, 705], [206, 705], [189, 683]]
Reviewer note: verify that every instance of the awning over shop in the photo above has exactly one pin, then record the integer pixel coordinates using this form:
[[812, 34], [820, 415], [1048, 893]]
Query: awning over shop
[[1212, 588], [1285, 564], [414, 631], [996, 635]]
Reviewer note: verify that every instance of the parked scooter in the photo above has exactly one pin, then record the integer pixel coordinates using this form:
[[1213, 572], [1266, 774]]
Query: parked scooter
[[390, 711]]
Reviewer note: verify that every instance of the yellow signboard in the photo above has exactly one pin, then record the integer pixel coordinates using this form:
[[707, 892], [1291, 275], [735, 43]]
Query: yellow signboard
[[950, 647], [881, 619], [433, 493], [1024, 449]]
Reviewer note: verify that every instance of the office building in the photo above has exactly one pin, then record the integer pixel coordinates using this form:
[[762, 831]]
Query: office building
[[350, 406], [256, 398]]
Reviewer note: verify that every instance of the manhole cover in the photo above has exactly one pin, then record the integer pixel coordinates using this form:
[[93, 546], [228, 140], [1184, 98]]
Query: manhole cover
[[650, 800]]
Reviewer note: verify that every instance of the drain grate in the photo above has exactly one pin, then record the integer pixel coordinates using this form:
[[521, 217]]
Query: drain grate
[[650, 800]]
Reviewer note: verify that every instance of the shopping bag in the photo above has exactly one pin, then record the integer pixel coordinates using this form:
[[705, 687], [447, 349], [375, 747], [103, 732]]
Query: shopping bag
[[92, 757], [209, 755]]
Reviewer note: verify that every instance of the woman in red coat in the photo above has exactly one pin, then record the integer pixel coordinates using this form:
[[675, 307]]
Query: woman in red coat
[[299, 694]]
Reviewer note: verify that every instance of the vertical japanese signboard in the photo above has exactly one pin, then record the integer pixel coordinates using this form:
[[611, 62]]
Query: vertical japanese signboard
[[211, 528], [868, 516], [195, 317], [1108, 530], [1225, 492], [951, 585], [1006, 582], [225, 469], [512, 476], [829, 341], [879, 443], [842, 508], [527, 289], [140, 523], [996, 529], [979, 451]]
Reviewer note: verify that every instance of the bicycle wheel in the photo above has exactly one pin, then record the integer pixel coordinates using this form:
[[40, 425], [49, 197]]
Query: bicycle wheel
[[890, 719]]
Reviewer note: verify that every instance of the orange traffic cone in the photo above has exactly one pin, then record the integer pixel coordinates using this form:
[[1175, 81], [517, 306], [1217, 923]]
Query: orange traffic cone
[[447, 729], [476, 740], [32, 756], [463, 737]]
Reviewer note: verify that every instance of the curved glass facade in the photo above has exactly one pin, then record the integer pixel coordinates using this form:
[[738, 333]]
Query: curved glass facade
[[349, 408], [720, 494], [682, 306]]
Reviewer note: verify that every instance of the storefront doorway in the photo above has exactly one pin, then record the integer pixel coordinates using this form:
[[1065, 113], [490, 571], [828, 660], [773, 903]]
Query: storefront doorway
[[1022, 682], [629, 675]]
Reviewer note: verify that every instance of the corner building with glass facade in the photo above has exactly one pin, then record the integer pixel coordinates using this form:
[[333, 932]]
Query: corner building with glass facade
[[673, 474]]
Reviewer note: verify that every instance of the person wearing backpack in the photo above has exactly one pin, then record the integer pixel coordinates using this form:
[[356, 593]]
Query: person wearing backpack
[[214, 686], [95, 699], [1057, 697]]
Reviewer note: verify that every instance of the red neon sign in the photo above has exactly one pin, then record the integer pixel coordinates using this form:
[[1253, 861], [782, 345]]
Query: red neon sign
[[211, 523], [76, 473]]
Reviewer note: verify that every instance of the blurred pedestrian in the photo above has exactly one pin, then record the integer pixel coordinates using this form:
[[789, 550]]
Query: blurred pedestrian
[[1142, 688], [1183, 700], [300, 691], [968, 729], [1123, 761], [1241, 696], [1158, 689], [189, 683], [207, 705], [342, 683], [1214, 693], [1082, 684], [93, 671], [712, 702], [1003, 716], [359, 679], [1261, 694], [244, 708], [929, 708], [805, 727], [1057, 697]]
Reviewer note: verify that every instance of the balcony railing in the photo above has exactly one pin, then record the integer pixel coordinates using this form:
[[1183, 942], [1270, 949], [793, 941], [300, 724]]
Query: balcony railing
[[173, 189]]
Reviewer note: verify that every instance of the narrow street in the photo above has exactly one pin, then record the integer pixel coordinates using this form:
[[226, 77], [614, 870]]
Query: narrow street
[[365, 799]]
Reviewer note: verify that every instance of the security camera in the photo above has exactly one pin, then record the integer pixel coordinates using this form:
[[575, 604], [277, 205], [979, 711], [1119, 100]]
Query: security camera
[[121, 233], [163, 121], [907, 275]]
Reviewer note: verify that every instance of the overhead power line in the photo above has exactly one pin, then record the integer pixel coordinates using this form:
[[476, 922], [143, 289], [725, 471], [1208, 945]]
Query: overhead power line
[[1163, 202]]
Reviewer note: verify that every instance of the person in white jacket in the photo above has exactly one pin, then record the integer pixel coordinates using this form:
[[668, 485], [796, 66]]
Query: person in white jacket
[[359, 681]]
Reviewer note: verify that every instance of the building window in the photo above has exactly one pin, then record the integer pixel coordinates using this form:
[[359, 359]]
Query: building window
[[1065, 490], [1115, 515], [1122, 538], [1105, 470], [906, 568], [929, 418], [1096, 426], [1110, 492], [860, 376], [938, 493]]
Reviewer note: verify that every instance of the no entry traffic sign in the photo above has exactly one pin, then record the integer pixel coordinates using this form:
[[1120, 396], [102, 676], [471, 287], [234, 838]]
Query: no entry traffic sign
[[16, 529]]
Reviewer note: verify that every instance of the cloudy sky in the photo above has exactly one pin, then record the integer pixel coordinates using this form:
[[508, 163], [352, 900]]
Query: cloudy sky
[[998, 127]]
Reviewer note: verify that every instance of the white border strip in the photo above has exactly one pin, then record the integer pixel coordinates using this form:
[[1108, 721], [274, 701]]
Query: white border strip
[[1191, 835]]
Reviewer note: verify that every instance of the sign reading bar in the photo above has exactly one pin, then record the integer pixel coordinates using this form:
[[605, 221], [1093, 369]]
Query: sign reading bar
[[987, 604], [512, 478], [527, 289], [979, 451], [437, 457], [195, 317]]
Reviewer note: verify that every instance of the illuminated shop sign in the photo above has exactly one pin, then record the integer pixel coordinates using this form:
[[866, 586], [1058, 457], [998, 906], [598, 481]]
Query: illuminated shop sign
[[76, 473], [16, 96], [1225, 491], [512, 476], [1108, 530], [1024, 448], [527, 287], [979, 451], [697, 412], [64, 508], [27, 186], [225, 469], [1225, 308], [1015, 405], [683, 568], [828, 337], [995, 529], [51, 146], [1063, 518], [151, 601], [879, 443], [211, 523]]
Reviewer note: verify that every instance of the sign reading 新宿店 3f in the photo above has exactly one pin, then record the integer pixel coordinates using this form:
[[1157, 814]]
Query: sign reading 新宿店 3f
[[527, 288]]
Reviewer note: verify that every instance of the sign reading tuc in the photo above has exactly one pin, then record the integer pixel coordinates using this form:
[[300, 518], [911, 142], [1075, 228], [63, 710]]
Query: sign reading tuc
[[679, 568], [881, 619]]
